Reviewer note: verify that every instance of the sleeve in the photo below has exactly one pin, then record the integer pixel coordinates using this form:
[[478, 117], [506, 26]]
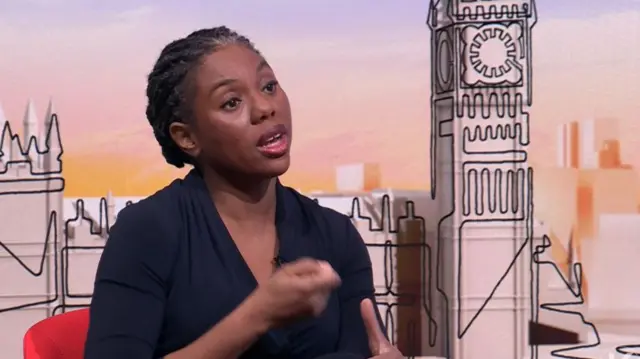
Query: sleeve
[[127, 307], [357, 284]]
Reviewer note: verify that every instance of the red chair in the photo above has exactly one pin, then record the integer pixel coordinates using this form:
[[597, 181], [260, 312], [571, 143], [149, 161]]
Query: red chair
[[59, 337]]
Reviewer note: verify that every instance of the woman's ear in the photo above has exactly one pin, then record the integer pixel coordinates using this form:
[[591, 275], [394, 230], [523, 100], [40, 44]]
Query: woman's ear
[[184, 138]]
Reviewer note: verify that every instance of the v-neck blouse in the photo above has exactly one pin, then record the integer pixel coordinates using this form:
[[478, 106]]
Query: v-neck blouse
[[170, 271]]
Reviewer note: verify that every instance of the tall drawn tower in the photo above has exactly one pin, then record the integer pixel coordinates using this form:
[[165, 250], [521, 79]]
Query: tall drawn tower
[[481, 94]]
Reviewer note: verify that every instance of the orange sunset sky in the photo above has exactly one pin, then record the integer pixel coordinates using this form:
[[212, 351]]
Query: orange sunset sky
[[359, 90]]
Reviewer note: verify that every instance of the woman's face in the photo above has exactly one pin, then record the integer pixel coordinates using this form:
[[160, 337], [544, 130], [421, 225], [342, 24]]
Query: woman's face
[[241, 117]]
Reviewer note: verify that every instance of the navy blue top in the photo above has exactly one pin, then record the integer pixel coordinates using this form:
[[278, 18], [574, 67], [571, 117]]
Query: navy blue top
[[170, 271]]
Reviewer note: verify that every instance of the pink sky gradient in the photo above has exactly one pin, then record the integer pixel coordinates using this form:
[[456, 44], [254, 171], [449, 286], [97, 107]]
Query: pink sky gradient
[[361, 96]]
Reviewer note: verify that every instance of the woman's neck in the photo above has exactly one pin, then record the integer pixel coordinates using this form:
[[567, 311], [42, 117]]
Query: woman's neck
[[243, 200]]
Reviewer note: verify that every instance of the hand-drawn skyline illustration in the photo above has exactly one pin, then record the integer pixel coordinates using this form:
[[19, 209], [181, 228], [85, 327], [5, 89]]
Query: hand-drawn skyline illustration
[[481, 95], [499, 256]]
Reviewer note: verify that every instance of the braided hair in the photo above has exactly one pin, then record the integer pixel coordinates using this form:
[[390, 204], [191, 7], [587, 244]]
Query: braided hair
[[168, 84]]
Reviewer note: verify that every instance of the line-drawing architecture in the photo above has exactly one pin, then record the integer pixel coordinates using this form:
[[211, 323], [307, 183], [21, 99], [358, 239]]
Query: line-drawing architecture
[[38, 248], [481, 93], [461, 271], [31, 187], [401, 237], [490, 301]]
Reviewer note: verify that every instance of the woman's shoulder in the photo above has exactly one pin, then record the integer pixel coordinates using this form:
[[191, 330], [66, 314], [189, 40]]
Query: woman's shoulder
[[315, 214], [158, 207], [338, 235], [150, 222], [336, 230], [142, 242]]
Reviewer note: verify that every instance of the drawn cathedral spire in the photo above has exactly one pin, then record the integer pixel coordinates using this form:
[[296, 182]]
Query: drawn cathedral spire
[[30, 123], [38, 150], [49, 114], [5, 137], [17, 154], [53, 142]]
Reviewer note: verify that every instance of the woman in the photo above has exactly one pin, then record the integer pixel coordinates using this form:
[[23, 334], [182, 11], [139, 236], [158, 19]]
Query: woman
[[227, 262]]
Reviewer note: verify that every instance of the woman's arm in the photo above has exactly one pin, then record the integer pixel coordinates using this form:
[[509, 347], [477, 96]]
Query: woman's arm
[[128, 303], [357, 285]]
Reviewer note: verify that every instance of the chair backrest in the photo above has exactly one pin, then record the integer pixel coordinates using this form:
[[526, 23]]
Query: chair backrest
[[59, 337]]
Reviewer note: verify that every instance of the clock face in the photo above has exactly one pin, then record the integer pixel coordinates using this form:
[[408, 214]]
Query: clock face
[[492, 55], [444, 62], [492, 52]]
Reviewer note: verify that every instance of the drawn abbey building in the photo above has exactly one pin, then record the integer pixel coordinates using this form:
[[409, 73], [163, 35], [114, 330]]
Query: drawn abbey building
[[481, 93], [46, 264]]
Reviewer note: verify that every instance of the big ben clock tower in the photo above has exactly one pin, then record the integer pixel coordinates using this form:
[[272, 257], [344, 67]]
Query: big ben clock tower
[[481, 95]]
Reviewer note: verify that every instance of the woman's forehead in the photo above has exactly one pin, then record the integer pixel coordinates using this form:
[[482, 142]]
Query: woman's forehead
[[231, 61]]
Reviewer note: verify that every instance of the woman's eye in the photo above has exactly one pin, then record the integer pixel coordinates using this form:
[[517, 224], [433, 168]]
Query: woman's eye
[[270, 87], [231, 104]]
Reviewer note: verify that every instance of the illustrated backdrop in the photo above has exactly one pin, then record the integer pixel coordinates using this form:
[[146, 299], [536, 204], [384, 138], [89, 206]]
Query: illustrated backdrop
[[486, 150]]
